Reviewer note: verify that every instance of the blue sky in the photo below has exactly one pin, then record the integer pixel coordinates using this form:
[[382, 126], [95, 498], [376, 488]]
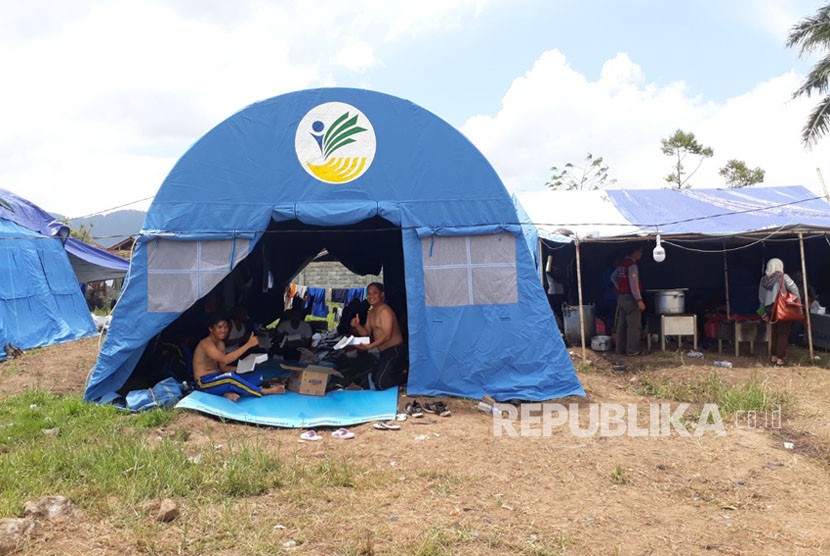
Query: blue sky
[[100, 98], [712, 46]]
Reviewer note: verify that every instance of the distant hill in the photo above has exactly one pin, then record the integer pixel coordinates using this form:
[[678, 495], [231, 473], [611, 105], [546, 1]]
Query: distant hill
[[109, 229]]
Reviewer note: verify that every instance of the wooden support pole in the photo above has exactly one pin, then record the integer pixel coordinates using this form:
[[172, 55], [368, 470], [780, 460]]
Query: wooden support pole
[[579, 290], [726, 281], [805, 297]]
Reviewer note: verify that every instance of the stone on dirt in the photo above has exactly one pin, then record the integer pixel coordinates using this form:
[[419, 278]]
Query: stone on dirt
[[14, 532], [49, 507], [164, 510]]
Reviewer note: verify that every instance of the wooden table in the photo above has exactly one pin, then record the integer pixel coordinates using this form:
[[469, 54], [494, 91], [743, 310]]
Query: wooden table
[[671, 325]]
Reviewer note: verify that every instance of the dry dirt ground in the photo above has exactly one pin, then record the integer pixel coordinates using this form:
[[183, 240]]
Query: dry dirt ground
[[450, 486]]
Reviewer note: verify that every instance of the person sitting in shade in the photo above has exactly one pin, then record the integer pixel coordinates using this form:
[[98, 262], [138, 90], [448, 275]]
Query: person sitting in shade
[[385, 333], [238, 329], [293, 332], [212, 367]]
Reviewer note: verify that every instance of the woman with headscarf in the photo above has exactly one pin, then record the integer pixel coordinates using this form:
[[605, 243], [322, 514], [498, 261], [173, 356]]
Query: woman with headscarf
[[767, 292]]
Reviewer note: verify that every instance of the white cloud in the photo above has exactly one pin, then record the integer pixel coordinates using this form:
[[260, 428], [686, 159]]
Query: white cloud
[[356, 56], [100, 98], [777, 17], [553, 115]]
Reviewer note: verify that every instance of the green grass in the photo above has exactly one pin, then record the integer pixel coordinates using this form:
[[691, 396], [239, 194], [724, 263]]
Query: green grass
[[439, 541], [619, 476], [753, 395], [98, 452]]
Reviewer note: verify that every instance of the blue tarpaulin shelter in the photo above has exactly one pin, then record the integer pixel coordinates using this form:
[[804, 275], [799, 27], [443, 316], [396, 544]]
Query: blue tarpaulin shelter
[[40, 298], [620, 214], [723, 212], [380, 183], [716, 240]]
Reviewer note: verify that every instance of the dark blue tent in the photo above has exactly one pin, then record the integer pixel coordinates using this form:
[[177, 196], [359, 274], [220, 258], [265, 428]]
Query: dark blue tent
[[379, 183]]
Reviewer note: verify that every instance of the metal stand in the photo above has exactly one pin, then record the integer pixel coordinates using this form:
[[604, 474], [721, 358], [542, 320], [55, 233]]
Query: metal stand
[[672, 325]]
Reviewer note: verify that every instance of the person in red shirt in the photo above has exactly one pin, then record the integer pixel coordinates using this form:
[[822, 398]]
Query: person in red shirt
[[630, 304]]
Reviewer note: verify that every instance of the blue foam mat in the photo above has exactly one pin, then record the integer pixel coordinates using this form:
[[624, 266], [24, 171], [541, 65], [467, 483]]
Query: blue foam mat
[[292, 410]]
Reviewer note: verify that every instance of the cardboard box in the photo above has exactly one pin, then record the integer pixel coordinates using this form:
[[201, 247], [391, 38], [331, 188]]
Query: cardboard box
[[310, 380]]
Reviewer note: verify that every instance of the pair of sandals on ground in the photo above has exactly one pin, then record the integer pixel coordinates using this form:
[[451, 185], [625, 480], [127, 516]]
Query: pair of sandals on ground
[[314, 436], [415, 409], [777, 362]]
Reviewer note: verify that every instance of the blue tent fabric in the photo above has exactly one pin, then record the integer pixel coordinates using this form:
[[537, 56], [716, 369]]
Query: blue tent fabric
[[30, 216], [721, 211], [164, 394], [530, 232], [245, 175], [40, 298]]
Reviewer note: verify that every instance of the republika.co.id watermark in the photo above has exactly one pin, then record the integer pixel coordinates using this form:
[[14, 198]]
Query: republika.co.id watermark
[[612, 419]]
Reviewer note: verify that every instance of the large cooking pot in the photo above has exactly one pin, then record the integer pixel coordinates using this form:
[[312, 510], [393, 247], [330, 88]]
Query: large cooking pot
[[669, 302], [571, 317]]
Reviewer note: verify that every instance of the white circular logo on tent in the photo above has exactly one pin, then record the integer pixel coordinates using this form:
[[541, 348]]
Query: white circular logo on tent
[[335, 142]]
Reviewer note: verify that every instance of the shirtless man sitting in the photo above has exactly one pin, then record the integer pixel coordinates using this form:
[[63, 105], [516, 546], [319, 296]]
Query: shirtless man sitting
[[385, 333], [212, 367]]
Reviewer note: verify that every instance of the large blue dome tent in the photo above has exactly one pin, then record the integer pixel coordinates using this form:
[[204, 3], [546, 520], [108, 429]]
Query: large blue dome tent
[[380, 183], [41, 302]]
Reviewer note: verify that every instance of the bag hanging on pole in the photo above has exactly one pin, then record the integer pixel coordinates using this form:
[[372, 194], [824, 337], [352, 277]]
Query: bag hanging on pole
[[787, 308]]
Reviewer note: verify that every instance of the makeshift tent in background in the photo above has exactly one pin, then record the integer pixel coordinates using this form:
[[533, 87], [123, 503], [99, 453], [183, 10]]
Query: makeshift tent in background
[[40, 298], [263, 192], [716, 240], [92, 264]]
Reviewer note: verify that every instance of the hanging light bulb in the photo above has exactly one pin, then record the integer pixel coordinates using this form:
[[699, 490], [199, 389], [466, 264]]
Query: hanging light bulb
[[659, 252]]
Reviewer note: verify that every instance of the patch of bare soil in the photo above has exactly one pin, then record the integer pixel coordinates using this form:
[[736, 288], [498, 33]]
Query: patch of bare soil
[[62, 368], [450, 486]]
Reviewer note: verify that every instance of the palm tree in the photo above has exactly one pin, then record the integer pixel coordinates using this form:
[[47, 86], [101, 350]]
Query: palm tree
[[811, 34]]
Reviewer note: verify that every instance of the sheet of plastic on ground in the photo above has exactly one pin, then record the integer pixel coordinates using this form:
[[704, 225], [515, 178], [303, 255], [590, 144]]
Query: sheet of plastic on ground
[[292, 410]]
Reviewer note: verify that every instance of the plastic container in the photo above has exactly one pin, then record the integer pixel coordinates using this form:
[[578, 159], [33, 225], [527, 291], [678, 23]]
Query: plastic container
[[486, 408], [724, 364]]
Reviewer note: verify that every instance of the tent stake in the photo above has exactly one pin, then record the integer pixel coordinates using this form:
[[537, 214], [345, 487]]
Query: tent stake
[[579, 290], [805, 298]]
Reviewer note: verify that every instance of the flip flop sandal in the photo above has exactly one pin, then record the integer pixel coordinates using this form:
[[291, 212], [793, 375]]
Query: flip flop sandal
[[342, 434], [401, 417], [310, 436], [387, 426]]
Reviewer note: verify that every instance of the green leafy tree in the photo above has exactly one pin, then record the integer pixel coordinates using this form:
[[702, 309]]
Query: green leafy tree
[[593, 174], [680, 146], [737, 174], [809, 35], [84, 232]]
